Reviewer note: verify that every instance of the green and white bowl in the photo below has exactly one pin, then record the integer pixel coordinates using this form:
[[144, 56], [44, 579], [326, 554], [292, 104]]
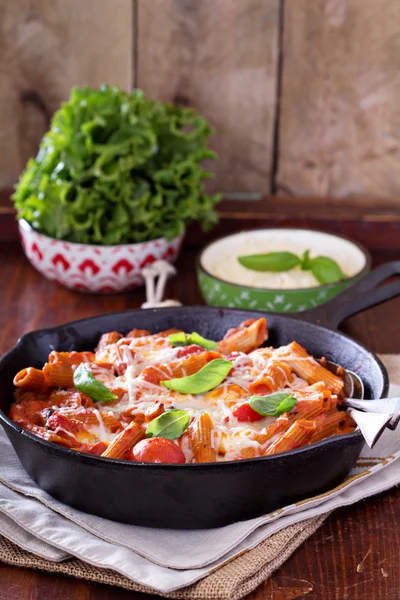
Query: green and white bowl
[[224, 282]]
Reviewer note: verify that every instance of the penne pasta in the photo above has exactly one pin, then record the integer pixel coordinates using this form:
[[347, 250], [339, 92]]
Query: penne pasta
[[299, 434], [31, 379], [58, 374], [71, 358], [67, 427], [50, 436], [311, 409], [276, 376], [136, 333], [103, 419], [70, 399], [129, 415], [248, 452], [219, 422], [273, 431], [166, 333], [202, 439], [245, 338], [347, 424], [330, 424], [124, 441], [107, 339], [155, 410], [306, 367], [97, 448]]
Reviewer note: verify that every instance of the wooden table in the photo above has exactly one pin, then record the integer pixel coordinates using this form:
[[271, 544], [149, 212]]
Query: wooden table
[[355, 555]]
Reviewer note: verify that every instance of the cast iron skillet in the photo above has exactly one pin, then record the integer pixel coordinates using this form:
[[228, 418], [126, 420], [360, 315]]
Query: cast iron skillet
[[200, 495]]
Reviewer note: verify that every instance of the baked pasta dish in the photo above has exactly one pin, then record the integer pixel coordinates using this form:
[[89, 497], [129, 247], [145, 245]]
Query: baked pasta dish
[[176, 397]]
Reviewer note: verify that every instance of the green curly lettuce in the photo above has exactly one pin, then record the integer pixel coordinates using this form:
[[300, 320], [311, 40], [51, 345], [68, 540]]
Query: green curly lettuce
[[117, 168]]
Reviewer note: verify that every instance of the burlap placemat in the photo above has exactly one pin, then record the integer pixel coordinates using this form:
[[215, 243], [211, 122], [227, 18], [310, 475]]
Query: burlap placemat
[[231, 581]]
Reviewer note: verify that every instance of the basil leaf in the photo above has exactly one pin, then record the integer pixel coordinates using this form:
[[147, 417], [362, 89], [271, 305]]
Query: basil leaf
[[178, 339], [305, 261], [185, 339], [326, 270], [170, 424], [85, 382], [273, 261], [196, 338], [211, 375], [272, 405]]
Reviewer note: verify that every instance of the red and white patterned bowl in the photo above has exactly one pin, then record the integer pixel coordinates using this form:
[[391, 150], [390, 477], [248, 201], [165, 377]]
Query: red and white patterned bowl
[[91, 268]]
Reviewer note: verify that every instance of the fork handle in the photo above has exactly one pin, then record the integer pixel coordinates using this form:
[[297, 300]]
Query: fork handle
[[357, 297]]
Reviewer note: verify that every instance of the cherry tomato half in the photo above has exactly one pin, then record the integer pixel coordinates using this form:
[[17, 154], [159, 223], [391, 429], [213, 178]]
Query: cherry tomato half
[[157, 450], [246, 413]]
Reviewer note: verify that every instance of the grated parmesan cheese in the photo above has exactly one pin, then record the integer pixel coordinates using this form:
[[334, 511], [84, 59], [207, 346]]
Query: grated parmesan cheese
[[220, 258]]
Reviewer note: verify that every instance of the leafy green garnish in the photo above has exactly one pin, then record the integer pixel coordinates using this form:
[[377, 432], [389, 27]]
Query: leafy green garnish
[[273, 261], [85, 382], [178, 339], [117, 168], [170, 424], [211, 375], [305, 261], [272, 405], [324, 269], [185, 339], [199, 340]]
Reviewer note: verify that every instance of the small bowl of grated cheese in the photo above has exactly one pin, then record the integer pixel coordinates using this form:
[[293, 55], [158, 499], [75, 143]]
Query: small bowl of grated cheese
[[279, 270]]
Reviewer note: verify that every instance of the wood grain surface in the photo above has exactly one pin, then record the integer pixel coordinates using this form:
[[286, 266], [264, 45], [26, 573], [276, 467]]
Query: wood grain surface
[[355, 555], [221, 57], [339, 112], [46, 47], [303, 95]]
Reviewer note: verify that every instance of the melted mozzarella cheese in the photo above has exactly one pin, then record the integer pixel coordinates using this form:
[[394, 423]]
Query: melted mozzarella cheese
[[100, 430], [230, 436], [160, 357]]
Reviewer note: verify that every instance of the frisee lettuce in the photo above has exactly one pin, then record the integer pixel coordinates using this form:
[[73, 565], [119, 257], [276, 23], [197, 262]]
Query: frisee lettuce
[[117, 168]]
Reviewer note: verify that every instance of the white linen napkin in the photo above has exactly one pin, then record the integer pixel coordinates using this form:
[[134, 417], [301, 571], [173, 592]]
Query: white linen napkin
[[167, 560]]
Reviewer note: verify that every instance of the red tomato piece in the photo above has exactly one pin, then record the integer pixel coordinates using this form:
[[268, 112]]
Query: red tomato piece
[[187, 350], [246, 413], [157, 450], [57, 420], [28, 411]]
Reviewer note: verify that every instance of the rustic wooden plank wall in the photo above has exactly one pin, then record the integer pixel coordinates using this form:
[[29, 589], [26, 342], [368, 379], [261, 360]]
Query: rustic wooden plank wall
[[46, 47], [340, 109], [303, 95], [220, 56]]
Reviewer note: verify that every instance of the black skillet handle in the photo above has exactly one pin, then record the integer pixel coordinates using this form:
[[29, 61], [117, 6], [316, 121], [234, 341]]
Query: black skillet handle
[[361, 295]]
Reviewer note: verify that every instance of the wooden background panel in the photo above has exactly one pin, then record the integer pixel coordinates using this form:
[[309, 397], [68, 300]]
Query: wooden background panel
[[47, 46], [340, 109], [221, 57]]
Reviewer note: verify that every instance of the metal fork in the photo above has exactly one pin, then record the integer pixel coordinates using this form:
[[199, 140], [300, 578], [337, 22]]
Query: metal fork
[[372, 416]]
